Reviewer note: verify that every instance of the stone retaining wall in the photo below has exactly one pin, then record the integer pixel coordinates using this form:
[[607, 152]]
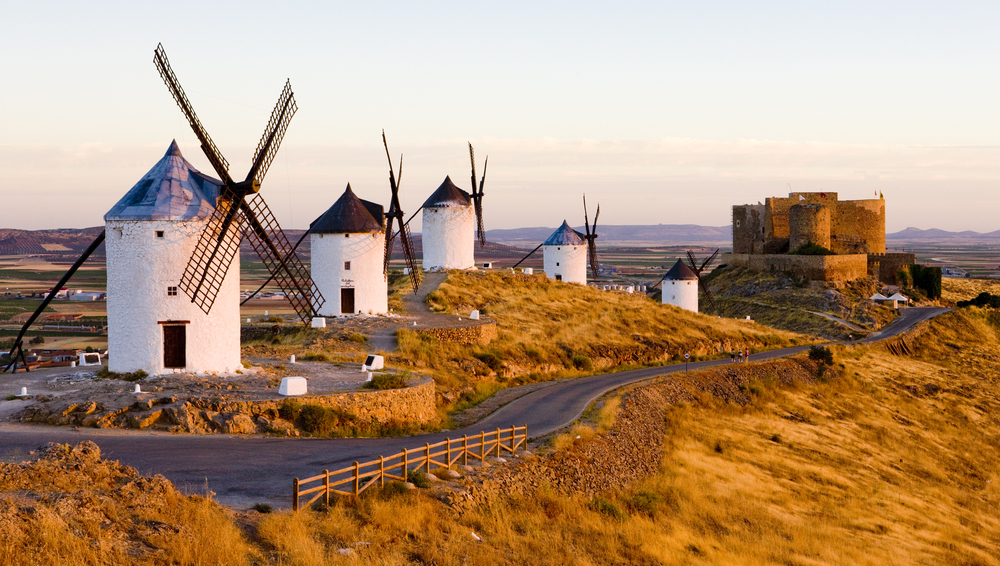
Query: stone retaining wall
[[481, 334], [814, 267]]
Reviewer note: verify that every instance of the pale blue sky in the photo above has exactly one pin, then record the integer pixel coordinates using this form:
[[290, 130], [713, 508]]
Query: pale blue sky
[[665, 112]]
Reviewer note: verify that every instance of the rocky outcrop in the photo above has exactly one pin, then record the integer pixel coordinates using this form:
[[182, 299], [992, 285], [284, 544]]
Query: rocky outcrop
[[415, 404]]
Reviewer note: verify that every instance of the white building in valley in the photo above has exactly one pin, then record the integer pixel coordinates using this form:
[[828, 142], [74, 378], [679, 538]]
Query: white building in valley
[[680, 287], [149, 235], [565, 255], [448, 229], [348, 251]]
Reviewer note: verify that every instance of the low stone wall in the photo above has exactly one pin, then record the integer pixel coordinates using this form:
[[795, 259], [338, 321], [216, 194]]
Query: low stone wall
[[481, 334], [814, 267], [414, 404]]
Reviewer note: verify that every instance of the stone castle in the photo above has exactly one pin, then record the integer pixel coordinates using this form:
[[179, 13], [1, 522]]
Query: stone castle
[[854, 230]]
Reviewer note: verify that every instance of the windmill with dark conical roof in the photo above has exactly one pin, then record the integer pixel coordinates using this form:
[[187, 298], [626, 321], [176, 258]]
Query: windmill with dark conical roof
[[448, 228], [347, 243], [565, 255]]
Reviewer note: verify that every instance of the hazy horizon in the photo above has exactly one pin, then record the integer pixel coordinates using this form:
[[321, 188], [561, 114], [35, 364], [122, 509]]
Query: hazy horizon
[[662, 112]]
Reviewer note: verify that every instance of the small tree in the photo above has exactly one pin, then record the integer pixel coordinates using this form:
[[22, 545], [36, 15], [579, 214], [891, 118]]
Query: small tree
[[37, 340]]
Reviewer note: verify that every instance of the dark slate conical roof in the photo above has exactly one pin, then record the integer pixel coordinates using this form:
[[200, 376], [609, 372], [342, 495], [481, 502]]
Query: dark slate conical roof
[[565, 236], [448, 195], [349, 215], [680, 272], [172, 190]]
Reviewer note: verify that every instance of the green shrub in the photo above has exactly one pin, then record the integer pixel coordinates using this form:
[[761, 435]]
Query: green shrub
[[809, 248], [289, 409], [387, 381], [608, 509], [821, 354], [418, 479], [645, 502], [262, 508], [927, 279], [320, 420], [984, 299], [494, 361], [103, 373], [583, 362], [37, 340], [314, 357]]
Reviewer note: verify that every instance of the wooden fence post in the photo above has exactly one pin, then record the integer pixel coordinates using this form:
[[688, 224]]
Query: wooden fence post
[[447, 452], [326, 487], [381, 471], [482, 448], [295, 494], [498, 443], [357, 480], [405, 464], [465, 449], [427, 457]]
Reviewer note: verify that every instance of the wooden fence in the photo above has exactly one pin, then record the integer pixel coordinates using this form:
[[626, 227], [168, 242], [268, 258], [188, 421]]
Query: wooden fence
[[359, 477]]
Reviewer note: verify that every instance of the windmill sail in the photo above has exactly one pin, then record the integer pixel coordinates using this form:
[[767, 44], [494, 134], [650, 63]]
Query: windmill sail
[[591, 236], [395, 215], [241, 212], [477, 195]]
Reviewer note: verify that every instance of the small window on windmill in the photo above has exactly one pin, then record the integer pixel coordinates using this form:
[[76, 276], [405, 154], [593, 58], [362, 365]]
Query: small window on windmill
[[347, 235], [171, 291], [347, 266], [557, 264], [558, 277], [737, 223], [159, 233]]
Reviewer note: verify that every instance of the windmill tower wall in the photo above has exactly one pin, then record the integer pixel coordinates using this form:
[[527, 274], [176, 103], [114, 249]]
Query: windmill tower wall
[[566, 262], [681, 293], [364, 252], [144, 271], [448, 234]]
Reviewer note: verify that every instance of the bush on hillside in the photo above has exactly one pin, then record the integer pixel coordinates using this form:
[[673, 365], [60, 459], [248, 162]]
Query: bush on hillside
[[821, 354], [809, 248], [927, 279], [984, 299]]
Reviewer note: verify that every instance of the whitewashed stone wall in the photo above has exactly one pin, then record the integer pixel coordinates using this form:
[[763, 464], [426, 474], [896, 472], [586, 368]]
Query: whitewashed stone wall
[[449, 237], [366, 253], [568, 261], [141, 267], [683, 294]]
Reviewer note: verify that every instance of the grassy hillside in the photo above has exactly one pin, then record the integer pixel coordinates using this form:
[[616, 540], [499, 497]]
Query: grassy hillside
[[781, 300], [875, 459], [551, 329]]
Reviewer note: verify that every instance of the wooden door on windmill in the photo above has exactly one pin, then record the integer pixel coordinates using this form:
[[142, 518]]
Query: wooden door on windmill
[[347, 301], [174, 346]]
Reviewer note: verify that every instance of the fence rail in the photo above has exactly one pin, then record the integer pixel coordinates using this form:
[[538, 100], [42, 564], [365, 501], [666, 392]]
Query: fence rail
[[355, 479]]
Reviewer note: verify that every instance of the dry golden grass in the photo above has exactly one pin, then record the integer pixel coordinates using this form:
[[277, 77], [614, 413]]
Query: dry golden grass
[[552, 329], [892, 461], [955, 289]]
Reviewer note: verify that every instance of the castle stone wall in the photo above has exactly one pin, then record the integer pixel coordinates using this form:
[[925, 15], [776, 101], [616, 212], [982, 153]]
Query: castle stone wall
[[748, 229], [829, 268], [885, 266], [858, 227]]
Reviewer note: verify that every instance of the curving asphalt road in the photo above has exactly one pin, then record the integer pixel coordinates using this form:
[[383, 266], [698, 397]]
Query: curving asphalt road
[[247, 470]]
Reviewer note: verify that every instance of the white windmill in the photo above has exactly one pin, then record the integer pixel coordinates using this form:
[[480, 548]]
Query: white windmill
[[347, 243], [151, 233], [565, 255]]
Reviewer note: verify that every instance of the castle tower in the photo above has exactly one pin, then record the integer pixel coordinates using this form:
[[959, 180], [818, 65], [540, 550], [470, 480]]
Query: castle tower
[[448, 230], [565, 255], [150, 235], [348, 249], [808, 223], [680, 287]]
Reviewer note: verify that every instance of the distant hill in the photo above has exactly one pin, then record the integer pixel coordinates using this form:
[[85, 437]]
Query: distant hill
[[937, 234], [648, 233]]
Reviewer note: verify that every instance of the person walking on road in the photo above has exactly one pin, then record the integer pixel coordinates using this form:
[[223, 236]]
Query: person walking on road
[[732, 356], [739, 356], [746, 355]]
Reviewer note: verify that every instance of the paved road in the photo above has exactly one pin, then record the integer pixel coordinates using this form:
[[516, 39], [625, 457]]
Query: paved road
[[246, 470]]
